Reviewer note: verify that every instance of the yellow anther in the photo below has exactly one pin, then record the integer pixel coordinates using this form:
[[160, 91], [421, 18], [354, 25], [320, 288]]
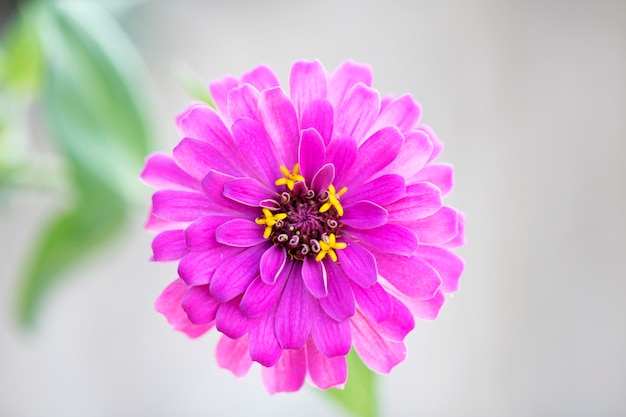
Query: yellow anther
[[269, 221], [290, 178], [329, 248], [333, 200]]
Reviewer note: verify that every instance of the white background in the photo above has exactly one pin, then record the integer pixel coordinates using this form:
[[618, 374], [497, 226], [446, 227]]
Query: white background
[[530, 99]]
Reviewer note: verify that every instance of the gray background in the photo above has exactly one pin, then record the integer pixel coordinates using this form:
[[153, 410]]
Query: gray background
[[529, 98]]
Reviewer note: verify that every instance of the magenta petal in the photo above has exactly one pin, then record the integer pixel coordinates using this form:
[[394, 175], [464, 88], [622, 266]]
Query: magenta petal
[[356, 114], [288, 373], [273, 262], [374, 301], [281, 123], [341, 152], [180, 206], [437, 143], [364, 215], [390, 238], [438, 228], [203, 123], [339, 303], [319, 115], [399, 324], [293, 316], [413, 156], [325, 372], [213, 186], [307, 82], [377, 352], [459, 238], [422, 200], [231, 321], [240, 232], [200, 305], [262, 77], [261, 297], [449, 265], [198, 157], [345, 77], [248, 191], [404, 112], [425, 309], [264, 347], [358, 264], [314, 277], [312, 153], [257, 149], [169, 246], [378, 151], [332, 338], [323, 178], [232, 354], [440, 174], [169, 304], [200, 235], [197, 268], [412, 276], [242, 102], [234, 275], [162, 172], [382, 190], [219, 93]]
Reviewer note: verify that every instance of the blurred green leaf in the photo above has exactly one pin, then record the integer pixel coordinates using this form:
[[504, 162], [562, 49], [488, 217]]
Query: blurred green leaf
[[94, 105], [191, 82], [359, 393]]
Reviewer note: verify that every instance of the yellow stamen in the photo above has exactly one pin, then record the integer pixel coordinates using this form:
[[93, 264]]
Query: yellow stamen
[[269, 221], [333, 200], [290, 178], [328, 247]]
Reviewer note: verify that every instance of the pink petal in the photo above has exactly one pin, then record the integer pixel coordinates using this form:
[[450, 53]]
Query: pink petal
[[358, 264], [198, 157], [404, 113], [411, 276], [413, 156], [323, 178], [258, 150], [331, 337], [180, 206], [459, 238], [364, 215], [314, 277], [438, 228], [264, 347], [262, 77], [319, 115], [231, 321], [341, 152], [200, 235], [398, 325], [156, 224], [377, 352], [197, 268], [374, 301], [232, 354], [339, 303], [169, 304], [219, 93], [273, 262], [422, 200], [247, 191], [281, 123], [382, 190], [312, 153], [357, 112], [162, 172], [200, 305], [425, 309], [307, 82], [213, 186], [449, 265], [345, 77], [325, 372], [260, 297], [293, 316], [389, 238], [440, 175], [234, 275], [203, 123], [240, 232], [242, 102], [169, 246], [288, 373], [437, 143]]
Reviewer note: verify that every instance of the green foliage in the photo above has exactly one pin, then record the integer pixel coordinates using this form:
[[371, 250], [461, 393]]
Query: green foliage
[[359, 394]]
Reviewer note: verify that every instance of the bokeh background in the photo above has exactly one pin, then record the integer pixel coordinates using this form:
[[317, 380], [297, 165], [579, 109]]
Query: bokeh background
[[530, 100]]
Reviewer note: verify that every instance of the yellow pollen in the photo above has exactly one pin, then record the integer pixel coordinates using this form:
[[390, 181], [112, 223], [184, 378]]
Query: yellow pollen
[[290, 178], [333, 200], [329, 248], [269, 221]]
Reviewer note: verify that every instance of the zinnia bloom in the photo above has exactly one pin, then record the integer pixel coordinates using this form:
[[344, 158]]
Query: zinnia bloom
[[304, 224]]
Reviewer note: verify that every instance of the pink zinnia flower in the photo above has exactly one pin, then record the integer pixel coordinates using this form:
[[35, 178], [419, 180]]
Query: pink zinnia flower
[[304, 223]]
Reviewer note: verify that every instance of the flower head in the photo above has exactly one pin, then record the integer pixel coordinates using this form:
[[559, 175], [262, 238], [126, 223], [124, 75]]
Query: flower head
[[291, 271]]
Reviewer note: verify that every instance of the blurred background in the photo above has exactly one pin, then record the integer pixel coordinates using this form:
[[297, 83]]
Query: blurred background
[[529, 98]]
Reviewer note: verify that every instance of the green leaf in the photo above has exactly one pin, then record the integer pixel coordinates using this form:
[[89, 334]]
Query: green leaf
[[359, 394], [191, 82]]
